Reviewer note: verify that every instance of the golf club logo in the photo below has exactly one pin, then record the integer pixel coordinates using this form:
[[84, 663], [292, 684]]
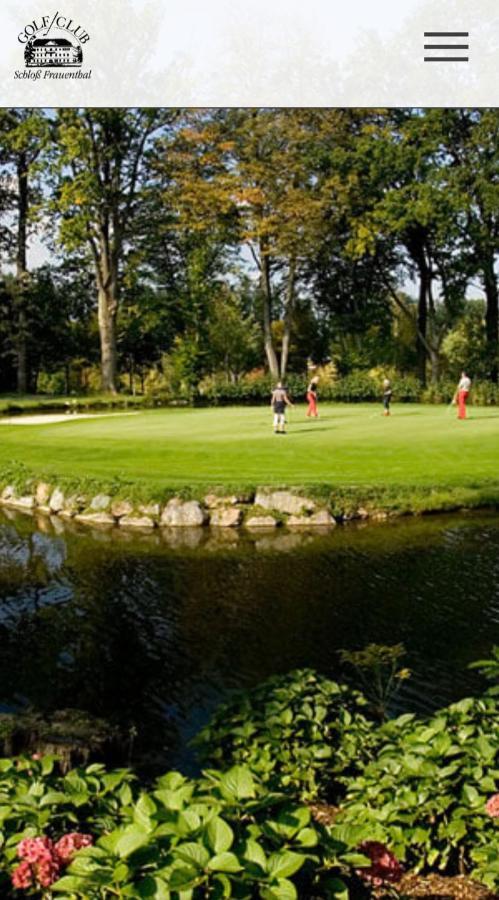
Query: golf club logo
[[51, 43]]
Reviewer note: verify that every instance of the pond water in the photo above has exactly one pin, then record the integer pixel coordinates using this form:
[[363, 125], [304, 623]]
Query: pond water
[[152, 632]]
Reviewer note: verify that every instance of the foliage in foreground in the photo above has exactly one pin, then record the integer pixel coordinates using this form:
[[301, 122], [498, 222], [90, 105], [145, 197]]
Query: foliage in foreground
[[223, 835], [299, 732], [421, 786], [426, 792], [414, 793]]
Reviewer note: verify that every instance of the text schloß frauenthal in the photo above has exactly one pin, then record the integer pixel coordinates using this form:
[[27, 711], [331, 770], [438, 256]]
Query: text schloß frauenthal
[[36, 75]]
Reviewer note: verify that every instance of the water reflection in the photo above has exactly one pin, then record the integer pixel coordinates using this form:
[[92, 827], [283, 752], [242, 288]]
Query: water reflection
[[151, 631]]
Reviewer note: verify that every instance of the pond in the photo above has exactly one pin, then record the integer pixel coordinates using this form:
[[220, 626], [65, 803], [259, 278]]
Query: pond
[[152, 632]]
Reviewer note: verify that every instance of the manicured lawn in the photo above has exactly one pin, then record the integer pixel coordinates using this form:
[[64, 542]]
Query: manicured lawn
[[351, 446]]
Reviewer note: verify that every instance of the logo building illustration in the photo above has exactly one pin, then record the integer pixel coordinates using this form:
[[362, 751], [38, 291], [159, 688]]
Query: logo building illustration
[[53, 42], [52, 52]]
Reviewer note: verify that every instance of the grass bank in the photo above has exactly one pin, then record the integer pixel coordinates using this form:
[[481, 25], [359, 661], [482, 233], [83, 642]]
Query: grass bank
[[16, 404], [420, 459]]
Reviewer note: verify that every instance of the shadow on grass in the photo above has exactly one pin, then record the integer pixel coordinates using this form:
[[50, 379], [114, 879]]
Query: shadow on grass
[[297, 430]]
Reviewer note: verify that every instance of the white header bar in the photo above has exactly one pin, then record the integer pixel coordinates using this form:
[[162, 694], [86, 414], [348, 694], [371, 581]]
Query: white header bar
[[251, 53]]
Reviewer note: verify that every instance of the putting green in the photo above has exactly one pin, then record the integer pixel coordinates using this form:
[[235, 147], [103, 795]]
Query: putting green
[[350, 445]]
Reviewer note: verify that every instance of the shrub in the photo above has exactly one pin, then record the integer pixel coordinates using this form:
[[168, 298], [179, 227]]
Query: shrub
[[299, 732], [425, 794], [484, 393], [442, 392], [222, 835], [251, 389]]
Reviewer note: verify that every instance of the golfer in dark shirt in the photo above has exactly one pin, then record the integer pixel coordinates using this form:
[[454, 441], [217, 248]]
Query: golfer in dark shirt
[[278, 403], [387, 396]]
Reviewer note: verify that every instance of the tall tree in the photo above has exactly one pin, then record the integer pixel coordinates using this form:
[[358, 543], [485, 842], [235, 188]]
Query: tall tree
[[102, 172], [24, 136], [469, 174], [252, 170], [400, 203]]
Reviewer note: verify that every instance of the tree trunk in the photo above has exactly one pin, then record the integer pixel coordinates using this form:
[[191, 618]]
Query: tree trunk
[[422, 320], [435, 365], [267, 318], [107, 308], [434, 343], [288, 318], [491, 315], [22, 275]]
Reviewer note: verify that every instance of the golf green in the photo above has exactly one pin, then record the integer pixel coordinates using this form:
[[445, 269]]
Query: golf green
[[349, 445]]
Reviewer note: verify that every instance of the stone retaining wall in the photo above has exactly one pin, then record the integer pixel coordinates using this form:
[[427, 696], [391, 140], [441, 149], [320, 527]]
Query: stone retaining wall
[[263, 509]]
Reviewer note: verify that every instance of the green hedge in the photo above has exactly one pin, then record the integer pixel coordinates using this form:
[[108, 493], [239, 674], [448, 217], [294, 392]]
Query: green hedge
[[358, 387]]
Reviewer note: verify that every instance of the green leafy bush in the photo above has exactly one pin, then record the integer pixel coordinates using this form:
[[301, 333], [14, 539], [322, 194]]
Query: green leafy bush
[[442, 392], [425, 793], [299, 732], [356, 387], [484, 393], [223, 835]]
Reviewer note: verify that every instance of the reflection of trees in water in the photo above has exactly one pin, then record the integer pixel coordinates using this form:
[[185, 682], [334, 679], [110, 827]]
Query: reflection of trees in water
[[108, 651], [144, 636]]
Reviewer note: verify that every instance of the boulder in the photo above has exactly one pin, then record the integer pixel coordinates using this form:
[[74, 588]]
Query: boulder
[[8, 492], [42, 493], [284, 502], [136, 522], [362, 512], [261, 522], [56, 502], [150, 509], [100, 502], [183, 513], [66, 513], [229, 517], [121, 508], [213, 501], [320, 518], [73, 504], [94, 518], [27, 502]]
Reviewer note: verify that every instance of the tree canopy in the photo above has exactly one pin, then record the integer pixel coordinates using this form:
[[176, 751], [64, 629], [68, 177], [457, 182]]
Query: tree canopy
[[182, 245]]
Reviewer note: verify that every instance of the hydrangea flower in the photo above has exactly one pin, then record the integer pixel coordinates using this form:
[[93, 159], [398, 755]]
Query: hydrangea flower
[[384, 867], [67, 846], [42, 860], [492, 806]]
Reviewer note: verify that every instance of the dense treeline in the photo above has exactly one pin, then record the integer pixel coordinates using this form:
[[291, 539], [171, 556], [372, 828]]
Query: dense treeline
[[190, 249]]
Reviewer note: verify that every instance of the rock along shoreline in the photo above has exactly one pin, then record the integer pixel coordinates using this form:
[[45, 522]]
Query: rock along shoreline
[[262, 509]]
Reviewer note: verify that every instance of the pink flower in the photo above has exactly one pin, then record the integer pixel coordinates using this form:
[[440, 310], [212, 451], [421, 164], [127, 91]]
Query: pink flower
[[41, 864], [22, 877], [43, 860], [67, 846], [33, 849], [47, 871], [384, 865], [492, 806]]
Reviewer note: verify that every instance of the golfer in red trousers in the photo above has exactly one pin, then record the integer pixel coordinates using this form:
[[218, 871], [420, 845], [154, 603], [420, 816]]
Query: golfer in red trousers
[[312, 399], [462, 392]]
